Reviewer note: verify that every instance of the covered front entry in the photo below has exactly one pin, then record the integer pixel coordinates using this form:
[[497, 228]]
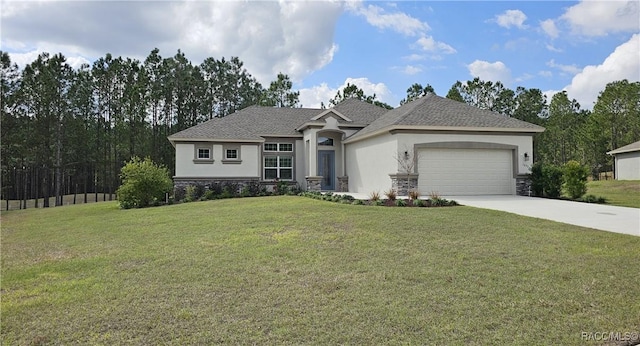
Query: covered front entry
[[327, 169], [463, 171]]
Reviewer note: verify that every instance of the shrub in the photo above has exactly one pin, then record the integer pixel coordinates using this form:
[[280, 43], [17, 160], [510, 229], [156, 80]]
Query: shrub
[[358, 202], [143, 182], [434, 195], [179, 193], [190, 194], [209, 195], [594, 199], [280, 188], [414, 194], [216, 188], [400, 203], [374, 196], [575, 179], [378, 202], [251, 189], [552, 180], [348, 198], [230, 189], [391, 194], [537, 179], [418, 203]]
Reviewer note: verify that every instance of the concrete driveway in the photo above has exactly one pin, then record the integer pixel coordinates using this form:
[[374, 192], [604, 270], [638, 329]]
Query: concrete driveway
[[603, 217]]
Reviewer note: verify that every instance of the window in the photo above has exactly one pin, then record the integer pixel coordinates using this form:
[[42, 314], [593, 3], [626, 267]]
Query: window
[[204, 153], [271, 147], [278, 167], [231, 154], [286, 147], [325, 141]]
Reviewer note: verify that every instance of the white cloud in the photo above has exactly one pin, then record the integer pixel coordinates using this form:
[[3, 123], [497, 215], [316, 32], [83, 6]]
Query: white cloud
[[545, 73], [398, 21], [411, 70], [553, 49], [622, 63], [414, 57], [427, 43], [549, 27], [511, 18], [599, 18], [487, 71], [312, 97], [292, 37], [567, 69]]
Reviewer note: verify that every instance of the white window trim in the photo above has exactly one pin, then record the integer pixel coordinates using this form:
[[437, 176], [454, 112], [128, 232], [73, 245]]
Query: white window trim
[[278, 145], [196, 154], [278, 168], [237, 159]]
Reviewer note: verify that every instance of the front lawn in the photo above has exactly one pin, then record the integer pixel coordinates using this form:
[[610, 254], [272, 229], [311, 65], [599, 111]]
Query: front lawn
[[624, 193], [276, 270]]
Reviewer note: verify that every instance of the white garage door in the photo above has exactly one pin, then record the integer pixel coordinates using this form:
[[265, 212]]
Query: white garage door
[[451, 172]]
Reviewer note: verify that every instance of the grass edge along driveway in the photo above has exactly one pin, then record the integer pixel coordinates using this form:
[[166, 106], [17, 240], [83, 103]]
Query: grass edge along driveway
[[302, 271]]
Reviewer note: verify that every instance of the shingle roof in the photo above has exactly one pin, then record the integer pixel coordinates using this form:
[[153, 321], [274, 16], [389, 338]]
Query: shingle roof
[[250, 123], [253, 122], [435, 111], [635, 146]]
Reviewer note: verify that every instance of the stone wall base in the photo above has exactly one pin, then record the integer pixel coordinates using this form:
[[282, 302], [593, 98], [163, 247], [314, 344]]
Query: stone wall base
[[314, 183], [523, 185], [402, 183], [343, 184]]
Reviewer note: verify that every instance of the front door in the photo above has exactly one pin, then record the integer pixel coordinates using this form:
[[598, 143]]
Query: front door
[[327, 169]]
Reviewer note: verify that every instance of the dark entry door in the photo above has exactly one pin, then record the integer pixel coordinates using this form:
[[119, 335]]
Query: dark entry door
[[327, 169]]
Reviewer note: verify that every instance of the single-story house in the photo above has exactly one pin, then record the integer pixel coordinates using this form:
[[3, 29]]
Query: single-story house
[[433, 144], [627, 162]]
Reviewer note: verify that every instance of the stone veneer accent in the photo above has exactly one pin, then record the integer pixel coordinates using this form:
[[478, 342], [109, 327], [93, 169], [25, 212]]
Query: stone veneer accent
[[343, 184], [184, 182], [402, 183], [314, 183], [523, 185]]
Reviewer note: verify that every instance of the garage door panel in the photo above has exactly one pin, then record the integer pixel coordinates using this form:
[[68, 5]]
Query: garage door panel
[[465, 171]]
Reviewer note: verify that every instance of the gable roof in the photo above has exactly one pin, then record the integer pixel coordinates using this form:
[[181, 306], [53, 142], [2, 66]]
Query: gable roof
[[255, 122], [432, 112], [635, 146]]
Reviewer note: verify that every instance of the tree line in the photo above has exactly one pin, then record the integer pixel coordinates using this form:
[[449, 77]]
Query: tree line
[[67, 131]]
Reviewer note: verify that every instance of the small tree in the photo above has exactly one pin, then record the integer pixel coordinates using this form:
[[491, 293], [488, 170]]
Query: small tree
[[537, 179], [552, 180], [143, 183], [575, 179]]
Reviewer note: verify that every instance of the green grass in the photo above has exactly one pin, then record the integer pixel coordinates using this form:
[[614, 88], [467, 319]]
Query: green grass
[[624, 193], [295, 270]]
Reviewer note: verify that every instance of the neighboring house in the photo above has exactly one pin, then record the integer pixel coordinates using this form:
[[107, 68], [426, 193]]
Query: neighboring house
[[436, 144], [627, 162]]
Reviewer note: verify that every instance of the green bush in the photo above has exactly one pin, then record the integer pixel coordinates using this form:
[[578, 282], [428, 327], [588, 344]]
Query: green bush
[[190, 194], [537, 179], [575, 179], [400, 203], [358, 202], [552, 180], [418, 203], [594, 199], [143, 184]]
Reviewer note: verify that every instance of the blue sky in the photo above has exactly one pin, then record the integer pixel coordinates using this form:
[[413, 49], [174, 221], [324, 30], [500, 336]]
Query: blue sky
[[383, 47]]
